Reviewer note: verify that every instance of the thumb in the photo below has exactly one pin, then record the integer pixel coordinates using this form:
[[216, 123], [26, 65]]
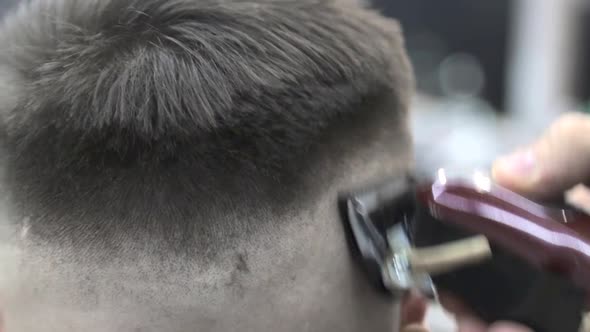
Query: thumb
[[556, 162]]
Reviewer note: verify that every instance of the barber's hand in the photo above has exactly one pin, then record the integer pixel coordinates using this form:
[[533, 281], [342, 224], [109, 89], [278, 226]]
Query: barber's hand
[[556, 162], [414, 308], [467, 321], [413, 311]]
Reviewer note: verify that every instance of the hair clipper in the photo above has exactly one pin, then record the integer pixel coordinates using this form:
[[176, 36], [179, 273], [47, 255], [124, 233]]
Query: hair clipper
[[504, 256]]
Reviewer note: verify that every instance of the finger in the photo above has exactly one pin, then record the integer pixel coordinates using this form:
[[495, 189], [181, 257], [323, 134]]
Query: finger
[[467, 321], [415, 328], [413, 309], [508, 327], [455, 306], [559, 160], [470, 324], [465, 318]]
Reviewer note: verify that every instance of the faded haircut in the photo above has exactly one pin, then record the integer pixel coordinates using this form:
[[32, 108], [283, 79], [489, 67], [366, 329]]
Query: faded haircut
[[119, 116]]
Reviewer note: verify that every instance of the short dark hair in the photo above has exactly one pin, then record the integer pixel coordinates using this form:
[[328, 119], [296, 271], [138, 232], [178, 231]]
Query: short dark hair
[[145, 102]]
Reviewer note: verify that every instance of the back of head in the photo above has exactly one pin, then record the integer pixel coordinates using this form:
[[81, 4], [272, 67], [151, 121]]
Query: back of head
[[174, 164]]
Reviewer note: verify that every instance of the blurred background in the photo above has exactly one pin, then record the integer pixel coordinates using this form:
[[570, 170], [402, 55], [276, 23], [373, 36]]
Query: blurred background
[[491, 74]]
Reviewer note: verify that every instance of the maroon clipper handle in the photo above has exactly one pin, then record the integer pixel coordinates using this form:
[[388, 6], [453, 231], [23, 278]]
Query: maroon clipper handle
[[552, 239]]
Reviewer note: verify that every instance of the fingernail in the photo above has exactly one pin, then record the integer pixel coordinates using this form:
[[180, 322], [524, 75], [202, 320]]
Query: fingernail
[[520, 163]]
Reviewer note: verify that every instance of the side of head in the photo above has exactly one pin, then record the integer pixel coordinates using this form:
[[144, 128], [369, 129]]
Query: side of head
[[175, 164]]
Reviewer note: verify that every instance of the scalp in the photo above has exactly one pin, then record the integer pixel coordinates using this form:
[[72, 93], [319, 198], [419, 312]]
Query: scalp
[[158, 113]]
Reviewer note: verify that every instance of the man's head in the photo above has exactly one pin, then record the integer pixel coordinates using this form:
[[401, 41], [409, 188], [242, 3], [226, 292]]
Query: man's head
[[173, 165]]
